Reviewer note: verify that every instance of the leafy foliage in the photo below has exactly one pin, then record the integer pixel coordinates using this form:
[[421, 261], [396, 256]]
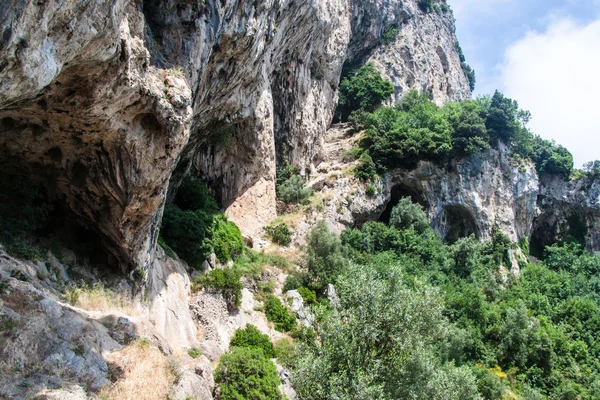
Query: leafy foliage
[[245, 373], [280, 234], [193, 227], [417, 129], [251, 337], [325, 258], [291, 187], [226, 239], [226, 281], [283, 318], [366, 169], [365, 89], [418, 318], [469, 72], [187, 233]]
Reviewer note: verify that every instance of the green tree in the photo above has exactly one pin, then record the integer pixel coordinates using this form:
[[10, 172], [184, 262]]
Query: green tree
[[186, 233], [251, 337], [470, 133], [381, 343], [325, 258], [502, 123], [245, 373], [407, 215], [365, 89]]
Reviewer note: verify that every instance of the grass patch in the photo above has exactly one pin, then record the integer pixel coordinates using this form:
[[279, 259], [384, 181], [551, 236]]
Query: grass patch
[[98, 297], [147, 374]]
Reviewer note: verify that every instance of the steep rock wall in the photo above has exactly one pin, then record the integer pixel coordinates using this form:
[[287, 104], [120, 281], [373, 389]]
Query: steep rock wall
[[102, 100], [567, 210], [82, 109], [411, 48], [470, 196]]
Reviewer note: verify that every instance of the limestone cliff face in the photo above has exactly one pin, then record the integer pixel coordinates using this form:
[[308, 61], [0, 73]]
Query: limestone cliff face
[[412, 49], [471, 196], [567, 210], [101, 100]]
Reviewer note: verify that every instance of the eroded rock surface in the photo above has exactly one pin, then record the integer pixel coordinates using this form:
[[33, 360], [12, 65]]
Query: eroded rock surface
[[100, 100], [471, 196]]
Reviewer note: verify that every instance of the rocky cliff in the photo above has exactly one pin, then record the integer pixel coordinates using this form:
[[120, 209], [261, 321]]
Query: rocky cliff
[[102, 100], [470, 196]]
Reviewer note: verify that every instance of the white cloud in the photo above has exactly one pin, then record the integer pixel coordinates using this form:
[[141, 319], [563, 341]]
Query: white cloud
[[556, 75]]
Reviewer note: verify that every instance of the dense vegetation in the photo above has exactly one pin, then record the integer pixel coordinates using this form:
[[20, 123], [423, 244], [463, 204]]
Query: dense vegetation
[[251, 337], [193, 226], [364, 89], [245, 373], [417, 318], [417, 129]]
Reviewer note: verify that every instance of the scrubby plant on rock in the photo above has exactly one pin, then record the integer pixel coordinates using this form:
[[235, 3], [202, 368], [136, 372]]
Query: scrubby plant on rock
[[245, 373]]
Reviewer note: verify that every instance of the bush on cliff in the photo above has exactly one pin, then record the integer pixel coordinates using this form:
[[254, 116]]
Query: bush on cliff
[[364, 89], [193, 227], [251, 337], [291, 187], [245, 373]]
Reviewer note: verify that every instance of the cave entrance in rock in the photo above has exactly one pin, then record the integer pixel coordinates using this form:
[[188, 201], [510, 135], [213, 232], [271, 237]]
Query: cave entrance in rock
[[457, 222], [548, 229], [398, 192]]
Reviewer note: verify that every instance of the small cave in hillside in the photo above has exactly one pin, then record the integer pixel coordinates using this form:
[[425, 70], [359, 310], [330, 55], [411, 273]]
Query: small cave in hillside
[[457, 222], [398, 192], [35, 219], [549, 229]]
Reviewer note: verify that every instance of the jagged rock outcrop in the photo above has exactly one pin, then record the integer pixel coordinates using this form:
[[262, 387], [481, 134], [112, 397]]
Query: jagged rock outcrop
[[567, 210], [470, 196], [101, 99], [411, 48], [83, 110]]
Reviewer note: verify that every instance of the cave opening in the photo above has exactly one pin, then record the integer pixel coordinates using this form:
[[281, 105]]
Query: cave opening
[[35, 218], [398, 192], [548, 229], [457, 222]]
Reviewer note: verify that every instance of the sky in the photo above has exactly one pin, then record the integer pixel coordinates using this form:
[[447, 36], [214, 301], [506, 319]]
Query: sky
[[546, 55]]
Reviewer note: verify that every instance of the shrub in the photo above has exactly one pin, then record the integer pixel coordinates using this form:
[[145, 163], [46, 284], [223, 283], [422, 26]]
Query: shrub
[[194, 195], [186, 233], [293, 190], [366, 169], [193, 227], [294, 281], [226, 239], [194, 352], [406, 215], [325, 259], [284, 320], [253, 338], [285, 352], [244, 373], [280, 234], [416, 129], [370, 191], [226, 281], [365, 89], [308, 295]]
